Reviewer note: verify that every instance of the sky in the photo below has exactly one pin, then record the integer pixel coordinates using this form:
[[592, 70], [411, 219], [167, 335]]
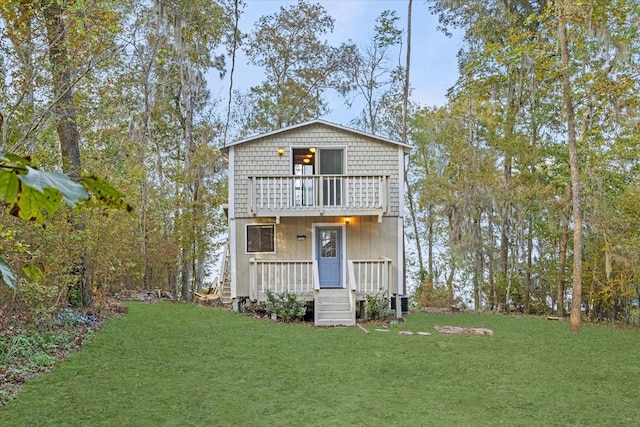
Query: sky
[[433, 55]]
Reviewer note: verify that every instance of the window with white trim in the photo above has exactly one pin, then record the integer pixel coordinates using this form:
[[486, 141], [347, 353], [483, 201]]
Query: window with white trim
[[261, 238]]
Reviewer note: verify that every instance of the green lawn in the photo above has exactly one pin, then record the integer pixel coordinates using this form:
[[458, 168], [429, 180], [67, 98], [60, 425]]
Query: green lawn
[[177, 364]]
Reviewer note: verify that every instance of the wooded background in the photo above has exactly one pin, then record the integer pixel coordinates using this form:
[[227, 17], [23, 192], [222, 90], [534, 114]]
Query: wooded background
[[523, 190]]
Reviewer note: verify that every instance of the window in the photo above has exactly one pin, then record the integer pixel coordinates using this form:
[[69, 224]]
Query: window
[[309, 161], [261, 238], [303, 164], [331, 163]]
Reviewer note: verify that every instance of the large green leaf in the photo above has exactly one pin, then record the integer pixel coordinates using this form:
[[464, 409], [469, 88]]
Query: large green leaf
[[31, 202], [72, 192], [7, 275], [8, 186]]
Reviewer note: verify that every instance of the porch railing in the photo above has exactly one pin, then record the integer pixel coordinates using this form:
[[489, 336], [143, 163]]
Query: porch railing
[[301, 276], [370, 276], [293, 193], [296, 276]]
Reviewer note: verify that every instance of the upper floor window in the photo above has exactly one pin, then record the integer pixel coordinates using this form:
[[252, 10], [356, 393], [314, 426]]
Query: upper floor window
[[322, 161], [327, 161], [332, 161]]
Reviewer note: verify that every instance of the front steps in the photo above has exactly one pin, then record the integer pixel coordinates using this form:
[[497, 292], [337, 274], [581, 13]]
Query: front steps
[[333, 308]]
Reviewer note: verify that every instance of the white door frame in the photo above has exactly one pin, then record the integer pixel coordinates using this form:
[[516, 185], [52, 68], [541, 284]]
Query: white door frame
[[343, 248]]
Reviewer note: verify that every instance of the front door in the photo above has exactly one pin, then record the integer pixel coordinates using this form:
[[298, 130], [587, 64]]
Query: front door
[[329, 250]]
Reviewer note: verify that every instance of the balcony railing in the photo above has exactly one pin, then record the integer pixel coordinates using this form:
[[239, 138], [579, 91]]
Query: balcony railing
[[318, 195]]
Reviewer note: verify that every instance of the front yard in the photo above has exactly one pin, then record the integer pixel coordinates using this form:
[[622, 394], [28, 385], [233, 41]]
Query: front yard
[[179, 364]]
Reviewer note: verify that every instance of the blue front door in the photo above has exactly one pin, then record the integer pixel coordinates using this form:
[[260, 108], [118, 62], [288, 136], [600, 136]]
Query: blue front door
[[329, 250]]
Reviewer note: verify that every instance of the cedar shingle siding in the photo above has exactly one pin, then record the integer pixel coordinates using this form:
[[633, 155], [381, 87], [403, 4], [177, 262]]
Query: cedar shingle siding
[[363, 156]]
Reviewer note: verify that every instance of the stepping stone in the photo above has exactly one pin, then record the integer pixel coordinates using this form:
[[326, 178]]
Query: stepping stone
[[382, 330], [424, 334], [405, 333]]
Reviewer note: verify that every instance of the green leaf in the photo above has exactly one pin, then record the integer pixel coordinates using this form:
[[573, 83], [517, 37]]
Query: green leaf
[[33, 272], [105, 193], [7, 275], [72, 192], [15, 159], [8, 186], [31, 202]]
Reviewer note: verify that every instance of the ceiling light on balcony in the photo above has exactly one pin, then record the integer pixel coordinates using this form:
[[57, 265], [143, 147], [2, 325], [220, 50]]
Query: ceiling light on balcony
[[312, 150], [305, 160]]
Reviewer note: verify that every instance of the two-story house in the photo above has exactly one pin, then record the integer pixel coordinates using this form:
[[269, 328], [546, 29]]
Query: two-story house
[[315, 209]]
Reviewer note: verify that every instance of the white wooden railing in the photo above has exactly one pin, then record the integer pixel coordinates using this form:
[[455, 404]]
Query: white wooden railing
[[289, 193], [302, 277], [370, 276], [296, 276]]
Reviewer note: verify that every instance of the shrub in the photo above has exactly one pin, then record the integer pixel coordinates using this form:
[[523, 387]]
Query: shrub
[[377, 307], [286, 306], [430, 295]]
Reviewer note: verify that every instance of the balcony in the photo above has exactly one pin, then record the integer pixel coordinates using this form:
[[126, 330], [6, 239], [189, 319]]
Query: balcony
[[316, 195]]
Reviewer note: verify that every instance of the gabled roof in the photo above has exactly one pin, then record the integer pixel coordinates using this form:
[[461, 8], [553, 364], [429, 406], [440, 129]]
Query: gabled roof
[[407, 148]]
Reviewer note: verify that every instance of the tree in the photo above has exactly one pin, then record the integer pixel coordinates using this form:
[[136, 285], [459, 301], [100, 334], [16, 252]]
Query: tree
[[512, 76], [576, 199], [177, 126], [299, 66], [29, 192], [371, 72], [69, 53]]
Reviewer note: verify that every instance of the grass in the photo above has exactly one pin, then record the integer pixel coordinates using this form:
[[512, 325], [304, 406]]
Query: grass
[[175, 364]]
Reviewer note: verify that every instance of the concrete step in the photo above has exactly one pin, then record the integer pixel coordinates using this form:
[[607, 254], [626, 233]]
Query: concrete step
[[333, 306], [335, 322], [333, 315], [332, 300], [334, 292]]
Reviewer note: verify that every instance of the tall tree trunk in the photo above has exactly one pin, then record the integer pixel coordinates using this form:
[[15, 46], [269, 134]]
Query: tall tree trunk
[[493, 298], [185, 277], [188, 237], [576, 201], [430, 242], [144, 190], [527, 277], [562, 264], [478, 268], [405, 126], [405, 95], [66, 126], [452, 232], [414, 223]]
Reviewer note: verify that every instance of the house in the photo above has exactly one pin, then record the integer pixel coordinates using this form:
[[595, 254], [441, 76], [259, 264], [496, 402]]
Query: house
[[315, 209]]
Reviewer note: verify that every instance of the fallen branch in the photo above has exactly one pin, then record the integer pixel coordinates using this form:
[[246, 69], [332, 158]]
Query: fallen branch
[[365, 330], [206, 297]]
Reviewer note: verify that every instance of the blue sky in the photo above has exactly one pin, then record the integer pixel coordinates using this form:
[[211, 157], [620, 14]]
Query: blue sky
[[433, 58]]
